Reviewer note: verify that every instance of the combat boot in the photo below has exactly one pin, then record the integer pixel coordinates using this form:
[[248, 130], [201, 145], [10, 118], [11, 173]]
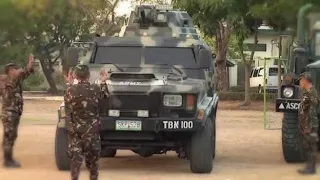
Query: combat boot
[[9, 162], [310, 167]]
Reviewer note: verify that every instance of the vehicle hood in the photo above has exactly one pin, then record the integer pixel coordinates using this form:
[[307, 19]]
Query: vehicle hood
[[160, 83]]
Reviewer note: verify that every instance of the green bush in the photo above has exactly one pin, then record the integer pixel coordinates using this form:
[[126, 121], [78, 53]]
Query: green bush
[[239, 96], [34, 82]]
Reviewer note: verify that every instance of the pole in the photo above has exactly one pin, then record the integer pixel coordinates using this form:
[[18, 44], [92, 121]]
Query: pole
[[279, 65], [264, 95]]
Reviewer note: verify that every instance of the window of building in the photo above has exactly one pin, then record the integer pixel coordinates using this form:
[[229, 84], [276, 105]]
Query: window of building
[[259, 47]]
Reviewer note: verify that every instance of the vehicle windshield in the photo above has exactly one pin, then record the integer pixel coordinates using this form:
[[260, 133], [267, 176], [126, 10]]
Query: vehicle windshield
[[119, 55], [274, 71], [317, 44], [152, 55], [170, 56]]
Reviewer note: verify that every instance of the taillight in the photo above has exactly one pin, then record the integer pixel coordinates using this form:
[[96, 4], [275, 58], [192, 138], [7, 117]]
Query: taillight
[[190, 102], [200, 114]]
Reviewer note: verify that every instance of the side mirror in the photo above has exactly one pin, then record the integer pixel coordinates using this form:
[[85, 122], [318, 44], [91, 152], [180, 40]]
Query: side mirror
[[72, 56], [213, 55], [301, 59], [205, 59]]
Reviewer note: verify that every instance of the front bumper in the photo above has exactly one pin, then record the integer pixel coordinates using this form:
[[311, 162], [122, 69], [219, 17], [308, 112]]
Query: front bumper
[[150, 124], [287, 105]]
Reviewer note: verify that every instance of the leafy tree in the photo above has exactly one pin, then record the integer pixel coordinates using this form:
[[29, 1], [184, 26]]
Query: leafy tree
[[246, 25], [215, 19], [49, 28], [101, 12]]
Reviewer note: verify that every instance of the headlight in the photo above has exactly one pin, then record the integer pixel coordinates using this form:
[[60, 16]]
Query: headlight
[[288, 92], [172, 100], [62, 110]]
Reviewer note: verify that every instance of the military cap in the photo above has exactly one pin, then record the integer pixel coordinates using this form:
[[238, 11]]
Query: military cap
[[305, 75], [9, 66]]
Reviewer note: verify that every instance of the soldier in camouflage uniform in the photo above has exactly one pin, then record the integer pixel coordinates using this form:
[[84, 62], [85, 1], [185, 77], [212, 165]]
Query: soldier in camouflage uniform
[[308, 122], [84, 139], [12, 107]]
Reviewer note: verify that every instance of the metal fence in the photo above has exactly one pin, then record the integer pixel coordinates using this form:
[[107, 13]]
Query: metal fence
[[271, 119]]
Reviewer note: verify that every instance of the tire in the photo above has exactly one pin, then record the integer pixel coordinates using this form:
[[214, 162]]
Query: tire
[[61, 150], [318, 141], [214, 138], [201, 149], [292, 147], [109, 153]]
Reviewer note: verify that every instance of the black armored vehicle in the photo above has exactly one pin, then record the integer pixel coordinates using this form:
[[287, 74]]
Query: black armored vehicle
[[162, 95], [305, 57]]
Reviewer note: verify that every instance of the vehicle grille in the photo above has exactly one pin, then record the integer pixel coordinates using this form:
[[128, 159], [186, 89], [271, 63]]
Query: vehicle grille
[[128, 104]]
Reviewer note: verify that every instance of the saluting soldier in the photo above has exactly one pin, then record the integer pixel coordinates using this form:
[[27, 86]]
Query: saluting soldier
[[82, 99], [308, 122], [12, 107]]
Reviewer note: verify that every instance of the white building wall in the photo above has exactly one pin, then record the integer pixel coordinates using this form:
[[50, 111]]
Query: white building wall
[[272, 49], [233, 76]]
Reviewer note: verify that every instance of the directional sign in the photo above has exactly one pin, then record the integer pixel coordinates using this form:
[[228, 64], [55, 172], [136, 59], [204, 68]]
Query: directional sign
[[287, 105], [281, 106]]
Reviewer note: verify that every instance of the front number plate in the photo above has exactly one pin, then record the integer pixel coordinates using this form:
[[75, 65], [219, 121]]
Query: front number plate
[[123, 125]]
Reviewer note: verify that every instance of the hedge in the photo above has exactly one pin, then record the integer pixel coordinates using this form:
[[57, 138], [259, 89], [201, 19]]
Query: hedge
[[239, 96]]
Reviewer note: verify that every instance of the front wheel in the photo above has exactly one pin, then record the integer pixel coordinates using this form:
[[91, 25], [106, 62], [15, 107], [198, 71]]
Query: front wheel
[[201, 149], [61, 149], [292, 147]]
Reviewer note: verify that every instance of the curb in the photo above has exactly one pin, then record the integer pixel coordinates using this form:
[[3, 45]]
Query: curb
[[49, 98]]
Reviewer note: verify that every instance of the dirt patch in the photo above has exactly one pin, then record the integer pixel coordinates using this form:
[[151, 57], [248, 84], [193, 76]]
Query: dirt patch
[[244, 151]]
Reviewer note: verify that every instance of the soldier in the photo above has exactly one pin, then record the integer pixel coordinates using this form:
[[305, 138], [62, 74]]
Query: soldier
[[84, 138], [12, 107], [308, 122]]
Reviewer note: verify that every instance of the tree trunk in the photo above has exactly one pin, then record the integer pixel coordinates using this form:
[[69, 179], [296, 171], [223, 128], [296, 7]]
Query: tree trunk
[[47, 71], [221, 78], [222, 39], [247, 66], [247, 99]]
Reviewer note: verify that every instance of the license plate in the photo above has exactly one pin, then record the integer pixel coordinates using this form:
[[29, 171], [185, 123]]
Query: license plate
[[122, 125]]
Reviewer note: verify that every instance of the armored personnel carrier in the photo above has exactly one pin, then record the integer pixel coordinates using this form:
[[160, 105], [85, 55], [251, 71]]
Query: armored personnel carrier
[[305, 57], [162, 97]]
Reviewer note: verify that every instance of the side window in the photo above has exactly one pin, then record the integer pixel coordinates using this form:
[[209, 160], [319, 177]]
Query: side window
[[255, 73], [261, 72], [251, 72]]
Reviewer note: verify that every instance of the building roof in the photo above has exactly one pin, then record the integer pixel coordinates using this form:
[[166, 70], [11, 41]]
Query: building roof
[[230, 63], [273, 32]]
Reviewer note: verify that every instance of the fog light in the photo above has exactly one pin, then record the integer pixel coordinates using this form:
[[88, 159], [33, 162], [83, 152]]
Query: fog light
[[143, 113], [114, 113]]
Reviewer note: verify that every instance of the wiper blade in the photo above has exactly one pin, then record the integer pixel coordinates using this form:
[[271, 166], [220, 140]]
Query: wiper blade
[[184, 76], [115, 65]]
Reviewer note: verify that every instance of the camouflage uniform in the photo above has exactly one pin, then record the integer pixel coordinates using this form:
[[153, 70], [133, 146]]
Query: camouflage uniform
[[12, 108], [308, 124], [84, 138]]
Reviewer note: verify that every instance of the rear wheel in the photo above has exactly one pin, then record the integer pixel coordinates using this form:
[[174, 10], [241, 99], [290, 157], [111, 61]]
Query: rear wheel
[[318, 141], [214, 138], [61, 149], [291, 143], [201, 149]]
